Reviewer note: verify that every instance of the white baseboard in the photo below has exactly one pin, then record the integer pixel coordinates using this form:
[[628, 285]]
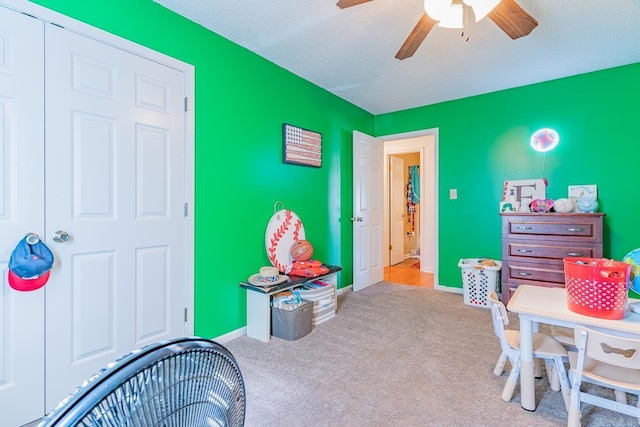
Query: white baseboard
[[345, 289], [448, 289], [222, 339]]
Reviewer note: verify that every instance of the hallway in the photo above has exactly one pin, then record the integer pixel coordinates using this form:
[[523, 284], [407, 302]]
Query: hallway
[[408, 273]]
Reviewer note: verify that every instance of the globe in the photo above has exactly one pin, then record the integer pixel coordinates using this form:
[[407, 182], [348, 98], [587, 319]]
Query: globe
[[633, 259]]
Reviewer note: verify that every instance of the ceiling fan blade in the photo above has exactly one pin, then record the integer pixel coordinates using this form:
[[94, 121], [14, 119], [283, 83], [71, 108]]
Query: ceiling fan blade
[[512, 19], [348, 3], [416, 37]]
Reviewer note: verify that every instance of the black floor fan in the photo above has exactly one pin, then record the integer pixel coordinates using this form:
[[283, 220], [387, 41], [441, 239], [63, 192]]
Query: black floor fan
[[186, 382]]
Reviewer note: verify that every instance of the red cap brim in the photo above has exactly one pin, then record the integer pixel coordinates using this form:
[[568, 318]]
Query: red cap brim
[[20, 284]]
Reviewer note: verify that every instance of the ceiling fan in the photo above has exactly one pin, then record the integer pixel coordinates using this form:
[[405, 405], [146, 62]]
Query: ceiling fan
[[507, 14]]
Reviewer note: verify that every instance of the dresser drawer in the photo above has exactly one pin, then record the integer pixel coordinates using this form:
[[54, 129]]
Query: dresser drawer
[[524, 272], [553, 227], [527, 251]]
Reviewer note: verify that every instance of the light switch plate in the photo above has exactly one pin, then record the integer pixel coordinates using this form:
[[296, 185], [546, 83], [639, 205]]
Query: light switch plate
[[453, 193]]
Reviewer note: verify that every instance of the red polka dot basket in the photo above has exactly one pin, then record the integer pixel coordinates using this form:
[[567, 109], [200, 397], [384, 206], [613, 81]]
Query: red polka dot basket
[[597, 287]]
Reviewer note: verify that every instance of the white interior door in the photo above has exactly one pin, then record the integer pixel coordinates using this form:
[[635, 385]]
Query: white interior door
[[396, 208], [116, 184], [368, 157], [21, 207]]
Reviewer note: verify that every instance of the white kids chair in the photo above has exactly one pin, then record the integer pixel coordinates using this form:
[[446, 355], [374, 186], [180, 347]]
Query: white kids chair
[[564, 335], [606, 360], [544, 347]]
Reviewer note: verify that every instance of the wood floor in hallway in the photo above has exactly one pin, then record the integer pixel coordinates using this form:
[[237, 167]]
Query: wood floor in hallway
[[408, 273]]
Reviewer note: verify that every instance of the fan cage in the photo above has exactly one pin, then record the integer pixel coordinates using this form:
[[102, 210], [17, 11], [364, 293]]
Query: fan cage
[[185, 382]]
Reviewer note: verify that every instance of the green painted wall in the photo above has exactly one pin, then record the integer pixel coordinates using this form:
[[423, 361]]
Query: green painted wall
[[241, 102], [484, 140]]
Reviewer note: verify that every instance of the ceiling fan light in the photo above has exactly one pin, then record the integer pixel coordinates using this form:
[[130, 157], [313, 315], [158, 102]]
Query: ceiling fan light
[[453, 17], [437, 9], [481, 8]]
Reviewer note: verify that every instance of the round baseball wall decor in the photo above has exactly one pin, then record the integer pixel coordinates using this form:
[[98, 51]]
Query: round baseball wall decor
[[284, 228]]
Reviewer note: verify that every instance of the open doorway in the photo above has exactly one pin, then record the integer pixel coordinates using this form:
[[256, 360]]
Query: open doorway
[[413, 228]]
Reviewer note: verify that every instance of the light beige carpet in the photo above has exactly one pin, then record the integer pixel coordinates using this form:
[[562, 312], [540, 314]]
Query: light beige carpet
[[393, 355]]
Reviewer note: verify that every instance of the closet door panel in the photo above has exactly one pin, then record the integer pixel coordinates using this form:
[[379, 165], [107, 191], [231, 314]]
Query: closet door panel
[[93, 335], [21, 211], [93, 168], [116, 184]]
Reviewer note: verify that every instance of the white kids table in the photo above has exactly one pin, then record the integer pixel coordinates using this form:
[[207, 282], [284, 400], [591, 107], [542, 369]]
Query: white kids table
[[549, 305]]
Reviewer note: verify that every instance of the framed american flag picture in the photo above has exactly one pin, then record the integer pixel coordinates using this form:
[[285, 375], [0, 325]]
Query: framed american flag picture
[[301, 146]]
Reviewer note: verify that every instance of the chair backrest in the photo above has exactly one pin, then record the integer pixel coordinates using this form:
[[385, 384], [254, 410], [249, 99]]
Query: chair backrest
[[618, 350], [186, 382], [500, 318]]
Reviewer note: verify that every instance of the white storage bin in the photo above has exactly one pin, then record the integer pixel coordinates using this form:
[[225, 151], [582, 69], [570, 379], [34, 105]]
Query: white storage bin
[[323, 297], [323, 313], [314, 294]]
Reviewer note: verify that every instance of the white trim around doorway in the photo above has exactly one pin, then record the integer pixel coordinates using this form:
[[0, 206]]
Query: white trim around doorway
[[425, 142]]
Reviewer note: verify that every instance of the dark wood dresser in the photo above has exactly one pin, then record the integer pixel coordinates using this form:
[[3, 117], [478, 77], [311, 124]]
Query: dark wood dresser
[[534, 244]]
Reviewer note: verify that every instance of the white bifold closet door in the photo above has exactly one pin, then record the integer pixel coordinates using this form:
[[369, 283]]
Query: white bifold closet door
[[100, 156], [21, 211]]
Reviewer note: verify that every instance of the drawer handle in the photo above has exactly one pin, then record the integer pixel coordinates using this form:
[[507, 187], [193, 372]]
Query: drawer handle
[[522, 273], [574, 254], [524, 251], [522, 227], [577, 230]]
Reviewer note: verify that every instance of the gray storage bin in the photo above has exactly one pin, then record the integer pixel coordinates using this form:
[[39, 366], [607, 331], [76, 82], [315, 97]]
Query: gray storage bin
[[292, 324]]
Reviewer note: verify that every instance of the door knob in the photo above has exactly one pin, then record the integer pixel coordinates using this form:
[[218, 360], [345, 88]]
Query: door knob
[[32, 238], [60, 236], [356, 219]]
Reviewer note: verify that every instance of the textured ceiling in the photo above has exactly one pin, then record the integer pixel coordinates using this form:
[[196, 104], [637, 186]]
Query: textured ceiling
[[350, 52]]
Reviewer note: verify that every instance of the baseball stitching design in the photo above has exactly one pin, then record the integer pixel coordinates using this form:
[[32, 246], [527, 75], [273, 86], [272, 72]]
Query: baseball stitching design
[[289, 229]]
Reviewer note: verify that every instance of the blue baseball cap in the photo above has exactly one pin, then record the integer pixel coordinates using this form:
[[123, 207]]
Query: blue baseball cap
[[30, 264]]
